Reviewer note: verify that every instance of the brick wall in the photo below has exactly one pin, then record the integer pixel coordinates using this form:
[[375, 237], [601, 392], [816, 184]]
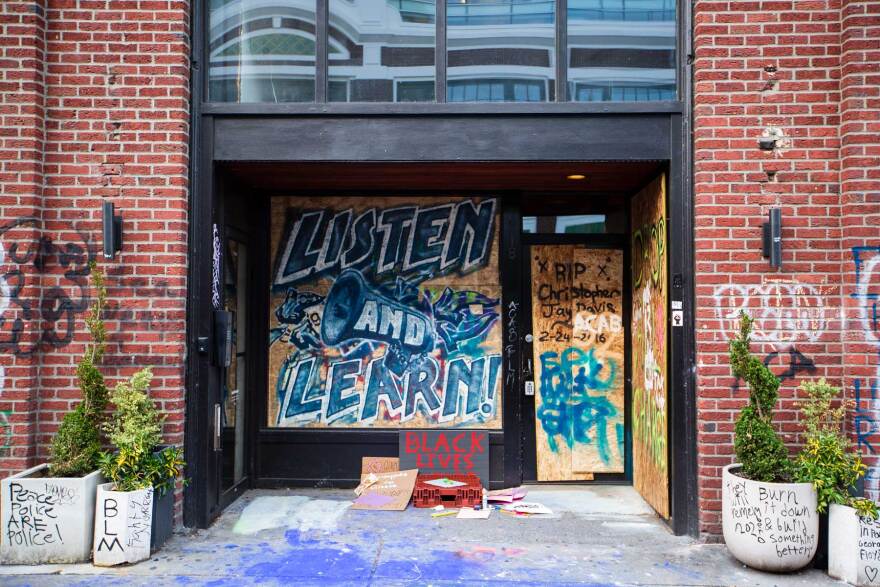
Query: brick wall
[[95, 107], [774, 69], [860, 198]]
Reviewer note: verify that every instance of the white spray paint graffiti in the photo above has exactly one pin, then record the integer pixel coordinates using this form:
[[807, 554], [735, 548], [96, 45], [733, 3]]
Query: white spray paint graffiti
[[784, 312], [867, 389], [294, 512], [215, 270]]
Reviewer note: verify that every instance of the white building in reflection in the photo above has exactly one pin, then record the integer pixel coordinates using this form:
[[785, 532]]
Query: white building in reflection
[[497, 50]]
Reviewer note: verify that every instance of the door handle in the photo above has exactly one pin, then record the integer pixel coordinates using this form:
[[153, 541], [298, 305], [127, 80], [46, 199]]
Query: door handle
[[217, 444]]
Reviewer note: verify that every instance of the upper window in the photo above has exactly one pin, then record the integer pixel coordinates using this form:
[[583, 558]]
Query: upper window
[[262, 51], [496, 51], [501, 50], [621, 50], [384, 51]]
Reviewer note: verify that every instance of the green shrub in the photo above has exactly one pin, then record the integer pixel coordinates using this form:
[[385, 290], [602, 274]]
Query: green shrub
[[828, 459], [758, 448], [135, 430], [77, 445]]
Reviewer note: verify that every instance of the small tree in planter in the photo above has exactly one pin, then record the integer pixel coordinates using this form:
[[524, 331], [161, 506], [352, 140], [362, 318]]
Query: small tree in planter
[[60, 530], [137, 504], [769, 522], [830, 462]]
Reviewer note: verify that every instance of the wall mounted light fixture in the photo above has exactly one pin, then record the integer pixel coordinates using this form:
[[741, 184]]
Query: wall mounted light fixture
[[112, 231], [772, 242]]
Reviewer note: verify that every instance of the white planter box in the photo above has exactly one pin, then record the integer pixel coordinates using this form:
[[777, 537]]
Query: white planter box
[[47, 519], [123, 522], [853, 547], [769, 526]]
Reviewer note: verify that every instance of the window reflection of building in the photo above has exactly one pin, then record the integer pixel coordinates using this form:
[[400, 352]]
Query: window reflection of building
[[501, 50], [497, 50], [389, 53], [262, 50], [621, 50]]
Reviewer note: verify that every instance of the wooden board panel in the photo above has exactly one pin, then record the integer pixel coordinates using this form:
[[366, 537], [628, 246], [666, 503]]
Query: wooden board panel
[[597, 361], [385, 313], [649, 348], [578, 355], [552, 331]]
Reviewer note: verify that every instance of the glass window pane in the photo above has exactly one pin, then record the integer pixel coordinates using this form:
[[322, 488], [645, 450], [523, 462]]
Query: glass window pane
[[500, 50], [262, 51], [621, 50], [382, 50]]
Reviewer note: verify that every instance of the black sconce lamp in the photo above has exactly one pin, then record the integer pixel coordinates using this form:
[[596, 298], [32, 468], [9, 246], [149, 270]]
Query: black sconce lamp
[[112, 231], [772, 245]]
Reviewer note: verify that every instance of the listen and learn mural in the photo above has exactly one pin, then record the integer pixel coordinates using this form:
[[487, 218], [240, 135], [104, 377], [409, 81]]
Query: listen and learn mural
[[577, 324], [649, 382], [385, 312]]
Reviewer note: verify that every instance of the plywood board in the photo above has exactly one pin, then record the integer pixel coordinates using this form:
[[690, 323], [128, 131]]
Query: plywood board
[[385, 313], [598, 335], [649, 348], [552, 332], [577, 324]]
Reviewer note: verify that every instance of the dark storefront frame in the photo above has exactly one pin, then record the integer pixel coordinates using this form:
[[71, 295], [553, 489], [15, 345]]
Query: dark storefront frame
[[432, 132]]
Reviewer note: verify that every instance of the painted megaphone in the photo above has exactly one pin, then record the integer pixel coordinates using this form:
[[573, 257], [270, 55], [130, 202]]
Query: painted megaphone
[[354, 310]]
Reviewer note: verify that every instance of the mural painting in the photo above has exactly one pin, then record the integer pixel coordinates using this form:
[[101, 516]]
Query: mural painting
[[649, 349], [385, 313], [578, 347]]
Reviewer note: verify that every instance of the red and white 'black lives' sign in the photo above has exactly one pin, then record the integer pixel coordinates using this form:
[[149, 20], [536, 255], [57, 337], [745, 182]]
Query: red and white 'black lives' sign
[[446, 451]]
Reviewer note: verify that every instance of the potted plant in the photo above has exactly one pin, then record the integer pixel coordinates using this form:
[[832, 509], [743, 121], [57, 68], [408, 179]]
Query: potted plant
[[829, 461], [48, 510], [134, 509], [769, 520]]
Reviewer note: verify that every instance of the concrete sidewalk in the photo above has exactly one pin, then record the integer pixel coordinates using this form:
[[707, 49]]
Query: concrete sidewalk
[[596, 536]]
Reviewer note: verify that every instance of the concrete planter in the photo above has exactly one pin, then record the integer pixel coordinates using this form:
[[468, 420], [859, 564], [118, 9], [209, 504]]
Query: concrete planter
[[47, 519], [853, 547], [123, 525], [769, 526]]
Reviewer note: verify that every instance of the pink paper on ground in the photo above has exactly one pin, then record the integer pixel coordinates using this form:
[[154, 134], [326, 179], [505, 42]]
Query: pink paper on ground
[[374, 499], [507, 495]]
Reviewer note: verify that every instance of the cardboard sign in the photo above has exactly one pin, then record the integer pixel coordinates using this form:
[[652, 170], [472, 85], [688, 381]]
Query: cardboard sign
[[379, 465], [446, 451], [390, 491]]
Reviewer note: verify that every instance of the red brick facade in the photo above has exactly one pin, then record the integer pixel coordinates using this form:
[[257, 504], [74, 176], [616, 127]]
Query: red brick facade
[[94, 105], [808, 75]]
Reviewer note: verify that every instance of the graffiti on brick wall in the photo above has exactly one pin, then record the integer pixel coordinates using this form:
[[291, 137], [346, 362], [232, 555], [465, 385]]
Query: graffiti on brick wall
[[53, 314], [785, 313], [385, 314], [5, 422], [867, 384], [787, 365]]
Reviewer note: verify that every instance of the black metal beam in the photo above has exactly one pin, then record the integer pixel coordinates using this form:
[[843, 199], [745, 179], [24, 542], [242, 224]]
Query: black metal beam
[[496, 138], [512, 309], [452, 109], [440, 52]]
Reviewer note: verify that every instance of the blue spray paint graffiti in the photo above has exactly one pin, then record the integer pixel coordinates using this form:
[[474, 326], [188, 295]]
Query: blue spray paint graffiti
[[574, 407], [867, 294], [370, 334]]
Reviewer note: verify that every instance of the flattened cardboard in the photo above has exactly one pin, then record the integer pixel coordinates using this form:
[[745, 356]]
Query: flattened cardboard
[[379, 465], [391, 492]]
